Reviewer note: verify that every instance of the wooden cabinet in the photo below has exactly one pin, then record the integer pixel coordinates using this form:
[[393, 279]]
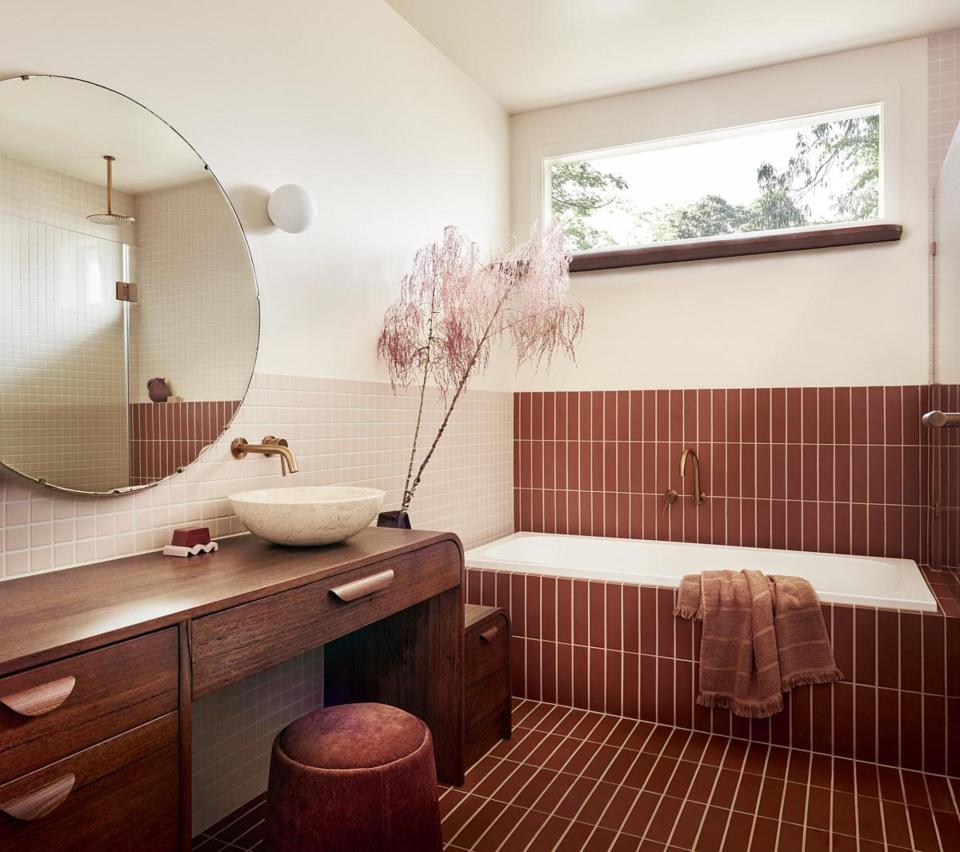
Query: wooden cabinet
[[487, 665], [98, 665], [119, 794], [237, 642], [54, 710]]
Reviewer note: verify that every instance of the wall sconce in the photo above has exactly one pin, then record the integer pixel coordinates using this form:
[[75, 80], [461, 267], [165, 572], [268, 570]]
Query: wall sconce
[[291, 208]]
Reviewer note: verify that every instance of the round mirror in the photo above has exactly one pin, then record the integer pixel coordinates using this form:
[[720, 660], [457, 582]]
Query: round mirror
[[129, 315]]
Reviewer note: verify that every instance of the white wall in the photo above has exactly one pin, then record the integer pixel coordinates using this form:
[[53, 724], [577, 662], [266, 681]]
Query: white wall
[[345, 98], [831, 317]]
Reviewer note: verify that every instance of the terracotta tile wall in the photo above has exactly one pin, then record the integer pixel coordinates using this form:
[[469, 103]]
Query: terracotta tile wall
[[836, 469], [618, 649], [166, 437]]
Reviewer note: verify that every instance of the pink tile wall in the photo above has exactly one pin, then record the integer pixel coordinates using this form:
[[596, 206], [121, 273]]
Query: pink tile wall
[[619, 649], [837, 469]]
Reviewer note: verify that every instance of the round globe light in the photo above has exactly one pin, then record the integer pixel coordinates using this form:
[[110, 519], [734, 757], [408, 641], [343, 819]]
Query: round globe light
[[291, 208]]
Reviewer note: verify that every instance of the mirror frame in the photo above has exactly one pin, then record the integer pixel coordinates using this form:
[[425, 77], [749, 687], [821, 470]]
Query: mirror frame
[[132, 489]]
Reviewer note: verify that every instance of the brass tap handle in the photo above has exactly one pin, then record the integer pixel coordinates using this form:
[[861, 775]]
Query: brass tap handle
[[670, 496]]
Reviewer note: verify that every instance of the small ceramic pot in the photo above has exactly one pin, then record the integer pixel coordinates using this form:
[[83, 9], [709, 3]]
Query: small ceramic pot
[[395, 520]]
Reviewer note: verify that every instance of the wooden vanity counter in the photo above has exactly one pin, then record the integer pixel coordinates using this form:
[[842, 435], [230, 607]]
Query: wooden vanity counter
[[99, 664]]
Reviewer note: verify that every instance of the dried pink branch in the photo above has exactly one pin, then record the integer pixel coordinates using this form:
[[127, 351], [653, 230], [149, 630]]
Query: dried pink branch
[[452, 309]]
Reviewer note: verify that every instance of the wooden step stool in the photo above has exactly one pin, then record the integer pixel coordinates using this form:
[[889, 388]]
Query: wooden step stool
[[487, 665]]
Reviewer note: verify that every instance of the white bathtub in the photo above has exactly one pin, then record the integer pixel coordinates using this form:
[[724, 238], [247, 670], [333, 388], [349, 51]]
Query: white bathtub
[[862, 580]]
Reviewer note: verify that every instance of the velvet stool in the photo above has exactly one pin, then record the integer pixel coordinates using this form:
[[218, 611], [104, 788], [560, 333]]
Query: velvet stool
[[351, 778]]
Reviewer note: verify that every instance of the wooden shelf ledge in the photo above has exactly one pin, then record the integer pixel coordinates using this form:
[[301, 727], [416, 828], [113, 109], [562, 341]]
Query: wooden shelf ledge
[[851, 235]]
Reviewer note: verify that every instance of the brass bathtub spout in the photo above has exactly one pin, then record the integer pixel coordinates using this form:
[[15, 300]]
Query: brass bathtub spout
[[270, 446], [697, 495]]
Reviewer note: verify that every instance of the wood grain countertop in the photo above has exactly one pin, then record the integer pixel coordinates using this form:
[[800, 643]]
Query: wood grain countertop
[[54, 614]]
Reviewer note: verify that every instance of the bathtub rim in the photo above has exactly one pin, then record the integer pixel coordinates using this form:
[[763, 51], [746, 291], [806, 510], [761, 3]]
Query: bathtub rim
[[474, 558]]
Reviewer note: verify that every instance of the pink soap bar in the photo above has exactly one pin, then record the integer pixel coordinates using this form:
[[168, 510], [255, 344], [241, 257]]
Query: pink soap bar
[[190, 537]]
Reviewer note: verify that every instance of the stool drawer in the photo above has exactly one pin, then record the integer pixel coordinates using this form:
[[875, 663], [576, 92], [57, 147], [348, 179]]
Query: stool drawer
[[486, 646], [487, 666], [54, 710], [120, 794], [227, 646]]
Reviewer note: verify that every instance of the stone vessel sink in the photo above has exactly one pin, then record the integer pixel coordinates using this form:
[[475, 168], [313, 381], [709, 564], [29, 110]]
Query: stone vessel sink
[[308, 515]]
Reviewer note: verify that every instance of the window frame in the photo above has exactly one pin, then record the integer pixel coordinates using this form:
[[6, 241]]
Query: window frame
[[817, 236]]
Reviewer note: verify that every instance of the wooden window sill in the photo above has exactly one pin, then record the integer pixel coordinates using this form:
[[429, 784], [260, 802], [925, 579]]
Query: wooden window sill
[[851, 235]]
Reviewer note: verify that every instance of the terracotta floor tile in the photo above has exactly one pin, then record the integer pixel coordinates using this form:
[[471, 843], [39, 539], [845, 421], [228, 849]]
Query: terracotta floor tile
[[621, 764], [524, 776], [702, 787], [590, 782], [661, 826], [923, 829], [640, 814], [764, 835], [548, 836], [524, 831], [688, 825], [712, 830], [618, 807], [895, 823], [571, 803], [502, 826], [748, 794], [738, 831], [460, 816], [486, 814], [844, 813], [554, 792]]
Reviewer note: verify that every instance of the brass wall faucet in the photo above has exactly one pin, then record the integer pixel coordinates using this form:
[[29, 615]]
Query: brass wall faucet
[[270, 446], [697, 493]]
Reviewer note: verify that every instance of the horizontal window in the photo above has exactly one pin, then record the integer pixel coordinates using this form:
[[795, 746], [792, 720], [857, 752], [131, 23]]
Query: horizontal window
[[783, 176]]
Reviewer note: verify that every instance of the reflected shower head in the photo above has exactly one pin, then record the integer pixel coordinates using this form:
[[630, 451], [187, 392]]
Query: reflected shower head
[[110, 218]]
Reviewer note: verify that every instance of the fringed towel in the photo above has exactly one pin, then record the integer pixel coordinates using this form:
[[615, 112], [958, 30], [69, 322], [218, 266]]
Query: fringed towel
[[762, 636]]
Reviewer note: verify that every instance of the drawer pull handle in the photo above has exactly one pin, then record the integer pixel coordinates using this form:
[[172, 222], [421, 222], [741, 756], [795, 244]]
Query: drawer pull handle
[[364, 586], [39, 803], [39, 700], [489, 634]]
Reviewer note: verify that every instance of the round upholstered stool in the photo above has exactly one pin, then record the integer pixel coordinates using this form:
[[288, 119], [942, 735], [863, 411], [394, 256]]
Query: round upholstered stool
[[354, 777]]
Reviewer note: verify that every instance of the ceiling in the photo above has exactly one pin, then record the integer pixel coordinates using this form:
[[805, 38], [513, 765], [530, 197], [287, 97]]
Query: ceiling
[[67, 126], [535, 53]]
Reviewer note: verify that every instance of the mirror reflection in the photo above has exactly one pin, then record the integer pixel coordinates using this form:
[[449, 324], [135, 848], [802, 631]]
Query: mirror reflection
[[129, 316]]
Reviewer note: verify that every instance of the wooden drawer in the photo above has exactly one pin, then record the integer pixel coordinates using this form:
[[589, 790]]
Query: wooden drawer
[[487, 665], [230, 645], [119, 794], [486, 647], [54, 710]]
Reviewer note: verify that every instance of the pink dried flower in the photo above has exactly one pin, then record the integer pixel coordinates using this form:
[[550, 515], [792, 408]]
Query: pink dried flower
[[452, 309]]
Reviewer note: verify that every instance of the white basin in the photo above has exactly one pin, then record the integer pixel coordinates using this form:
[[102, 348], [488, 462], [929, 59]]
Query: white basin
[[316, 514]]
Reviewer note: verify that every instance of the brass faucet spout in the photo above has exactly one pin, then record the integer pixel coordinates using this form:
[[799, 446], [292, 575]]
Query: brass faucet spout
[[697, 495], [270, 446]]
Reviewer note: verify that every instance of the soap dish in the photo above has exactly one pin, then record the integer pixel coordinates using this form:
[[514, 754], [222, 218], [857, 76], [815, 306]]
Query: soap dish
[[178, 550]]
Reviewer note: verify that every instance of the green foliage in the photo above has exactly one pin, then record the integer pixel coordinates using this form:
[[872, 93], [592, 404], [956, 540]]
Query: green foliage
[[577, 190], [849, 148]]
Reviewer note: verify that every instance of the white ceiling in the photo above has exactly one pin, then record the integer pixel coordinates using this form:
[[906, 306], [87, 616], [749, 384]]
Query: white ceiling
[[534, 53], [68, 126]]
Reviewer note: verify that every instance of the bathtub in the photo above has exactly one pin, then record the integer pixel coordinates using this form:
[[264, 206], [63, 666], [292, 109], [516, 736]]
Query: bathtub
[[857, 580]]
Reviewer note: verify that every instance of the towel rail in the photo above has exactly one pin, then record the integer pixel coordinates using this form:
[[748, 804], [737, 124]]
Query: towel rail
[[941, 419]]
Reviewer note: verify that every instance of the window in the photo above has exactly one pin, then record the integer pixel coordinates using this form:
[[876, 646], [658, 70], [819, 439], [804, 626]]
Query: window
[[805, 173]]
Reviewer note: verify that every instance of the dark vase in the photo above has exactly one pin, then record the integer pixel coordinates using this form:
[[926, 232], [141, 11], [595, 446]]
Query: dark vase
[[395, 520]]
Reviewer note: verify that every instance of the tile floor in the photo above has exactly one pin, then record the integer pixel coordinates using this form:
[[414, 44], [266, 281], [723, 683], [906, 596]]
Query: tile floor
[[575, 780]]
